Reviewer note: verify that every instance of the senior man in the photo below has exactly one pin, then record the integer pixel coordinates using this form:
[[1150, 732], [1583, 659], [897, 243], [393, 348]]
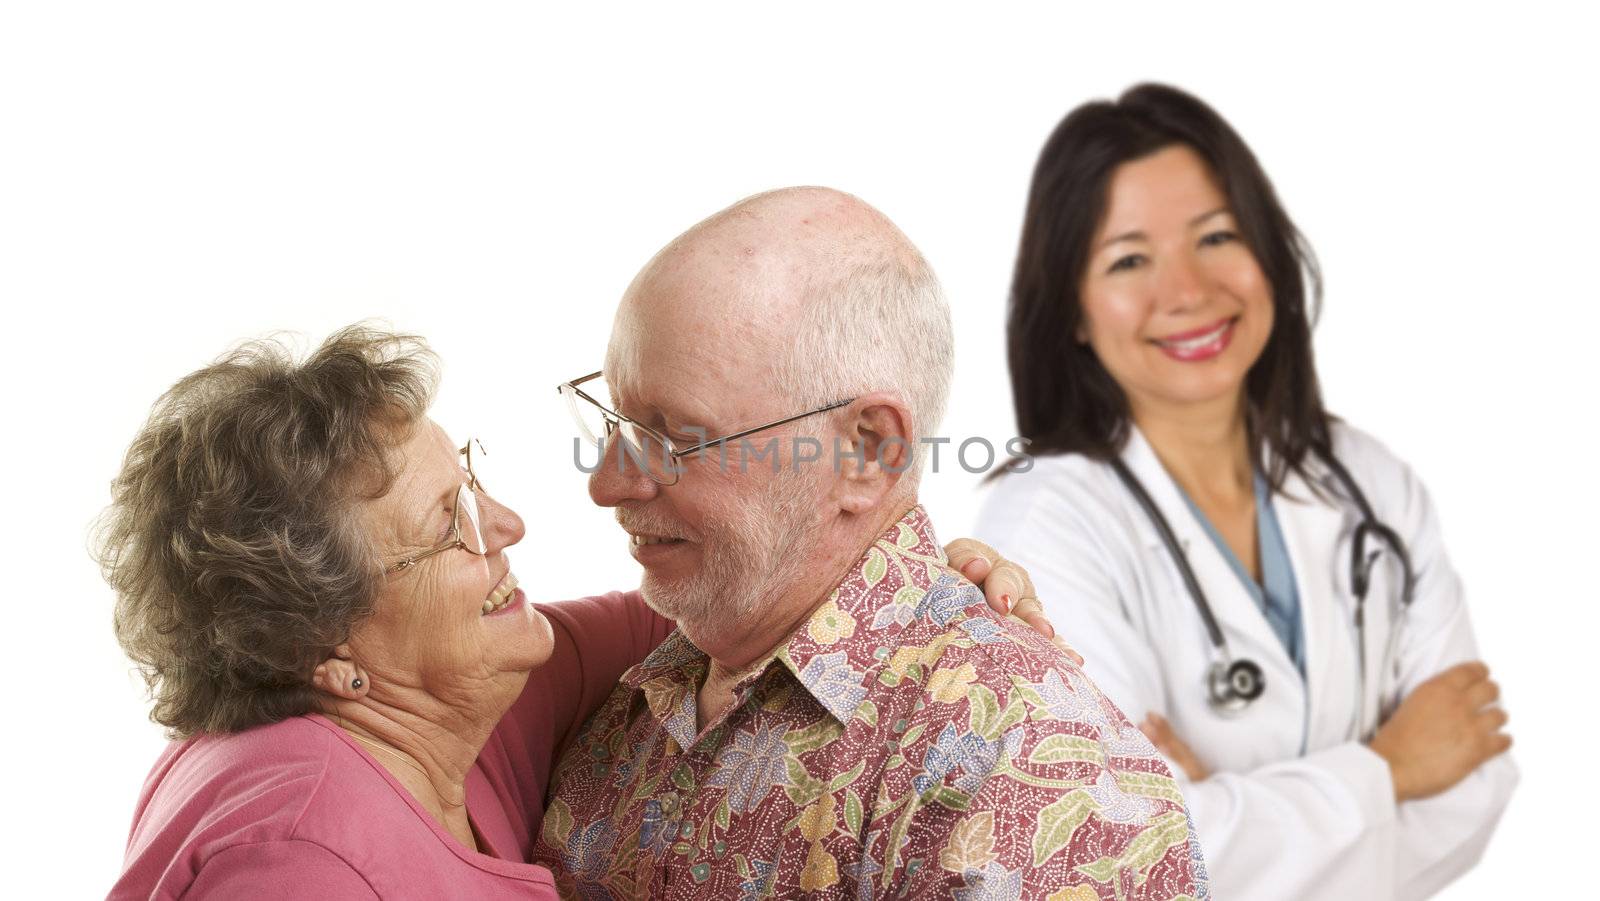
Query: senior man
[[838, 710]]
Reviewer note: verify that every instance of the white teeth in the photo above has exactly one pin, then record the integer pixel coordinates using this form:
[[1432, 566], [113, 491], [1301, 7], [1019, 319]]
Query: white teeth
[[642, 540], [1202, 341], [501, 595]]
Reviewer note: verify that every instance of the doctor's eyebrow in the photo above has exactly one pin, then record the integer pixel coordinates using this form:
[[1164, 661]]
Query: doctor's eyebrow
[[1125, 236], [1204, 216]]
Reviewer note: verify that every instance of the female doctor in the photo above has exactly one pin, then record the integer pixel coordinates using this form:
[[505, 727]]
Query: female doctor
[[1264, 585]]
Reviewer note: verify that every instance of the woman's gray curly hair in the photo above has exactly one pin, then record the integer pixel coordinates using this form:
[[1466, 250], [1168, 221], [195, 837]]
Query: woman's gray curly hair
[[232, 540]]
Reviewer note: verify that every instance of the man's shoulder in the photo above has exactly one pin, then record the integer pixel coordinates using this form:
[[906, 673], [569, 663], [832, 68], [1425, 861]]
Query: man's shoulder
[[1010, 749], [1000, 680], [999, 650], [949, 626]]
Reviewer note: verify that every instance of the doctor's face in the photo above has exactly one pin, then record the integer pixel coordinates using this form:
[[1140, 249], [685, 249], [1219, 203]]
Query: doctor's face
[[1175, 305]]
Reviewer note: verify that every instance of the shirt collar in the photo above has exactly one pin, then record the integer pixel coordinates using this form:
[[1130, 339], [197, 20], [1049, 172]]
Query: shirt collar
[[900, 577]]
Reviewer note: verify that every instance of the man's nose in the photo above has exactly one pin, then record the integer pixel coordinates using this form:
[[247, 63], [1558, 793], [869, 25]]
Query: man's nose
[[620, 477]]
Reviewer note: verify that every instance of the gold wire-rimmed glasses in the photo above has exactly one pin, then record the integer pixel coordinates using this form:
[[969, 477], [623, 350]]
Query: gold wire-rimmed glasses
[[466, 529], [652, 451]]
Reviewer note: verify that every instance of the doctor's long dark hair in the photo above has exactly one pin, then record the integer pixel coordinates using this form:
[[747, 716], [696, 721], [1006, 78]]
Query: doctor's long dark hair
[[1066, 401]]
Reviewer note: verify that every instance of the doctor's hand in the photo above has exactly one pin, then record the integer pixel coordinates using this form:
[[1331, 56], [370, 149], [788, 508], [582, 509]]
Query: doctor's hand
[[1156, 728], [1442, 731], [1006, 587]]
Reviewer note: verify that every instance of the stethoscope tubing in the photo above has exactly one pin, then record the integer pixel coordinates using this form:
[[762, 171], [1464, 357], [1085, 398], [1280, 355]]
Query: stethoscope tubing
[[1221, 696], [1191, 583]]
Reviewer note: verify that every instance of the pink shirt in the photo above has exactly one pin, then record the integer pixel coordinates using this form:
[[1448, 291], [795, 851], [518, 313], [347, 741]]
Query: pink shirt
[[298, 809]]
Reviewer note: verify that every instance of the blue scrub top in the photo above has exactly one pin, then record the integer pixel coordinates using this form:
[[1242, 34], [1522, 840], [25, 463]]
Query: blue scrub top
[[1276, 595]]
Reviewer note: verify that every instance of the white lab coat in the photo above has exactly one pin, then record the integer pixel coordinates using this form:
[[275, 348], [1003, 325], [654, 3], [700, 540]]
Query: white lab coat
[[1296, 807]]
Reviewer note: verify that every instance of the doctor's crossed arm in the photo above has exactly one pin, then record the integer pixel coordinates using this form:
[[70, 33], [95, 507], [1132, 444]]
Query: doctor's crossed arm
[[1445, 751], [1441, 732]]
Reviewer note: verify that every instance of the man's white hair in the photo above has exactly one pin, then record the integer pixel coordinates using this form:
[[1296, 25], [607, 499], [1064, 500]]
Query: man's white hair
[[880, 325]]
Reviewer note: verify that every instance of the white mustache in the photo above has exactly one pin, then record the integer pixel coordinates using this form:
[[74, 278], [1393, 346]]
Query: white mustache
[[635, 524]]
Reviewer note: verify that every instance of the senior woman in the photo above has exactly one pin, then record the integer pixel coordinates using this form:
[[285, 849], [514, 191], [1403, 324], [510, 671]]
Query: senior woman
[[315, 585]]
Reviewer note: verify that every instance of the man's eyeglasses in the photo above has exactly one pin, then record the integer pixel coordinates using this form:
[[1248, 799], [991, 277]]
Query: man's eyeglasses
[[645, 447], [466, 530]]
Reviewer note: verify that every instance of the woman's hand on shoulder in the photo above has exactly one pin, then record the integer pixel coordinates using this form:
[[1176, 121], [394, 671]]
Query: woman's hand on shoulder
[[1006, 587]]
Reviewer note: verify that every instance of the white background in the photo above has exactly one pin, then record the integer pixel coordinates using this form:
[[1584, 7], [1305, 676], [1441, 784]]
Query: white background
[[174, 178]]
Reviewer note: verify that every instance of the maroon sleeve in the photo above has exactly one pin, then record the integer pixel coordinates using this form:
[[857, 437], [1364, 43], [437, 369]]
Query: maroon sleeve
[[596, 640]]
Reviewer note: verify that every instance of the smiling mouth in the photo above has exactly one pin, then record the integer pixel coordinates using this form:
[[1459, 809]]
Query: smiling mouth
[[1191, 341], [638, 540], [501, 595]]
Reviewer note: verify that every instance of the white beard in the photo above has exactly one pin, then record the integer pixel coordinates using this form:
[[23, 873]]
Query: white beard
[[748, 557]]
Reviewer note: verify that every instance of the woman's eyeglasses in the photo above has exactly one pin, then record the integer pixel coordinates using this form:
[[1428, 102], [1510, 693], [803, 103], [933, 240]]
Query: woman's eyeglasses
[[466, 529]]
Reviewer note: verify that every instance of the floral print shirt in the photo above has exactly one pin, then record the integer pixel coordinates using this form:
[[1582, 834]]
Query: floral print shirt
[[904, 742]]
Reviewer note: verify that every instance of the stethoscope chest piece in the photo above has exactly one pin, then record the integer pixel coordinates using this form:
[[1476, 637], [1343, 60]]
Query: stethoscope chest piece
[[1233, 684]]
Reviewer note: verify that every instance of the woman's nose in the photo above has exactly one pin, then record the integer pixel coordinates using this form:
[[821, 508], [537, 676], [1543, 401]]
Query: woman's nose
[[1183, 283], [620, 478], [504, 526]]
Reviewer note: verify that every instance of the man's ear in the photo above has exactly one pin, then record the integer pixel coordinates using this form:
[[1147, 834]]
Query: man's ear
[[873, 451], [341, 676]]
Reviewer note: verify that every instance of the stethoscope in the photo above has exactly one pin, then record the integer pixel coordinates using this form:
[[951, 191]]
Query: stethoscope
[[1233, 683]]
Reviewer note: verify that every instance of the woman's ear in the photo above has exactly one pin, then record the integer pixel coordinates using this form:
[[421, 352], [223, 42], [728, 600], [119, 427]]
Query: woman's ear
[[874, 451], [341, 676]]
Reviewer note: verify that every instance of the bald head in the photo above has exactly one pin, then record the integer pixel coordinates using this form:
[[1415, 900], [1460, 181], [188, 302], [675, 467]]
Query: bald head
[[785, 239], [752, 268], [808, 295]]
